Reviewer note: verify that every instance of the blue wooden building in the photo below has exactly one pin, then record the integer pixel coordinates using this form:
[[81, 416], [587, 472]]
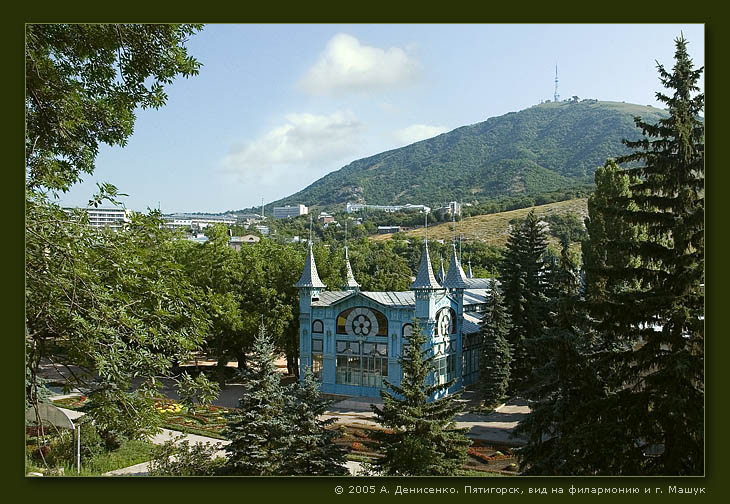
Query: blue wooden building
[[353, 339]]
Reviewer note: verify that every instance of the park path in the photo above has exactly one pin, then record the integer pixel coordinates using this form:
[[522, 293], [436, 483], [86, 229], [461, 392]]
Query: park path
[[496, 427]]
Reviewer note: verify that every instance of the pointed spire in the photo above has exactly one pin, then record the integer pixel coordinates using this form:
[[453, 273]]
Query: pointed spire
[[310, 277], [456, 279], [425, 278], [469, 272], [350, 282], [442, 274]]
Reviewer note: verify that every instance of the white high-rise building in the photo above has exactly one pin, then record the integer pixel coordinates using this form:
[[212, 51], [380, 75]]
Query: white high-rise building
[[290, 211], [114, 218]]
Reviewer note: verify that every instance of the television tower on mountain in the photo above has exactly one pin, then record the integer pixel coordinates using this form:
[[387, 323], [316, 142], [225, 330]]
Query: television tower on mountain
[[557, 96]]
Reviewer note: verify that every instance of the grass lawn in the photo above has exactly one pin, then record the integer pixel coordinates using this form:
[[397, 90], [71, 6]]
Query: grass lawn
[[129, 453], [493, 229]]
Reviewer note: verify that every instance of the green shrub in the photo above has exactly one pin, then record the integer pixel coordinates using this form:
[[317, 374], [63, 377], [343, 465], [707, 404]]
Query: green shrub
[[177, 457]]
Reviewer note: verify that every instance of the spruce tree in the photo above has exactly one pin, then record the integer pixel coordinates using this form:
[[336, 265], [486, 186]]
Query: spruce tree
[[313, 450], [665, 401], [421, 438], [261, 433], [556, 427], [650, 319], [524, 286], [494, 372]]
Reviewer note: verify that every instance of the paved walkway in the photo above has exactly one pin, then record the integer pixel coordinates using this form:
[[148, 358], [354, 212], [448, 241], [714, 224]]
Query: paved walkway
[[496, 427]]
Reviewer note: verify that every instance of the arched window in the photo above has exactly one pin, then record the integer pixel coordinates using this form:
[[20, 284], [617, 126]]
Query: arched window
[[317, 327], [362, 321], [407, 330]]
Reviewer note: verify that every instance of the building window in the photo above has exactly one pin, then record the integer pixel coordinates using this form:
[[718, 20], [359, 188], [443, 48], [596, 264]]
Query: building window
[[471, 354], [317, 327], [445, 362], [317, 358], [362, 322], [364, 364], [407, 330]]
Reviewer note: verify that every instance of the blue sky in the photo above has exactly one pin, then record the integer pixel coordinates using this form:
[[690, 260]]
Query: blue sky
[[276, 107]]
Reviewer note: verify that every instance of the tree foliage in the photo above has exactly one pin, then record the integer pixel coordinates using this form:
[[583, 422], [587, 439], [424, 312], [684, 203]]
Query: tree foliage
[[524, 284], [112, 312], [421, 438], [313, 451], [631, 360], [662, 372], [496, 357], [260, 434], [178, 457], [83, 83]]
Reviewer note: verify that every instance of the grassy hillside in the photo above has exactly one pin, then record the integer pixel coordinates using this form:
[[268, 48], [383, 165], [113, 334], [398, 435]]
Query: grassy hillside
[[548, 147], [494, 229]]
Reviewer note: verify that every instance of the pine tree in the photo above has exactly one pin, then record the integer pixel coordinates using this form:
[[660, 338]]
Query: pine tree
[[494, 372], [261, 433], [313, 450], [524, 285], [420, 437]]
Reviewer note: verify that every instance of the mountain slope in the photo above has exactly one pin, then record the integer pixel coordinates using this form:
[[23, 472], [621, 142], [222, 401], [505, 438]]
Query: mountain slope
[[544, 148]]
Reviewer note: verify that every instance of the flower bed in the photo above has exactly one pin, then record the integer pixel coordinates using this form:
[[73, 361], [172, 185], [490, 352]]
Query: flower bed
[[75, 402], [205, 420]]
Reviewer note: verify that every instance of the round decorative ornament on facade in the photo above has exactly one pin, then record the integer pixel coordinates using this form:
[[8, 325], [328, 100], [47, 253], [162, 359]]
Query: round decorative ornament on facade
[[361, 322]]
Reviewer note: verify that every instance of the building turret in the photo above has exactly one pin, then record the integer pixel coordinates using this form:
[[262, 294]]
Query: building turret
[[469, 273], [350, 282], [442, 275], [309, 284], [426, 287], [425, 280], [456, 280]]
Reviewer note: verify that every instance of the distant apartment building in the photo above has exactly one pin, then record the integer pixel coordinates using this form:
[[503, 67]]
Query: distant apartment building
[[290, 211], [389, 229], [325, 218], [453, 208], [114, 218], [356, 207], [191, 221]]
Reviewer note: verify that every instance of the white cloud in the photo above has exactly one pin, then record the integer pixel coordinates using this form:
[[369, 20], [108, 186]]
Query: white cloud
[[296, 153], [417, 132], [347, 65]]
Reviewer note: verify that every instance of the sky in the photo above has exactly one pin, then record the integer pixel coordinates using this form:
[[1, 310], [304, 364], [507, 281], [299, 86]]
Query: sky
[[276, 107]]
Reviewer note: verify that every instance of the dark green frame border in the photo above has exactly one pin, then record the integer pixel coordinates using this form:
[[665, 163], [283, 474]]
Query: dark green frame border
[[164, 490]]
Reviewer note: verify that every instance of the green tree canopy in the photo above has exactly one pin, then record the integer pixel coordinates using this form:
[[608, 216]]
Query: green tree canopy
[[83, 83]]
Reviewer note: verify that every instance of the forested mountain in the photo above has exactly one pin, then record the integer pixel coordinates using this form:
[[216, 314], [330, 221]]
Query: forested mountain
[[547, 147]]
